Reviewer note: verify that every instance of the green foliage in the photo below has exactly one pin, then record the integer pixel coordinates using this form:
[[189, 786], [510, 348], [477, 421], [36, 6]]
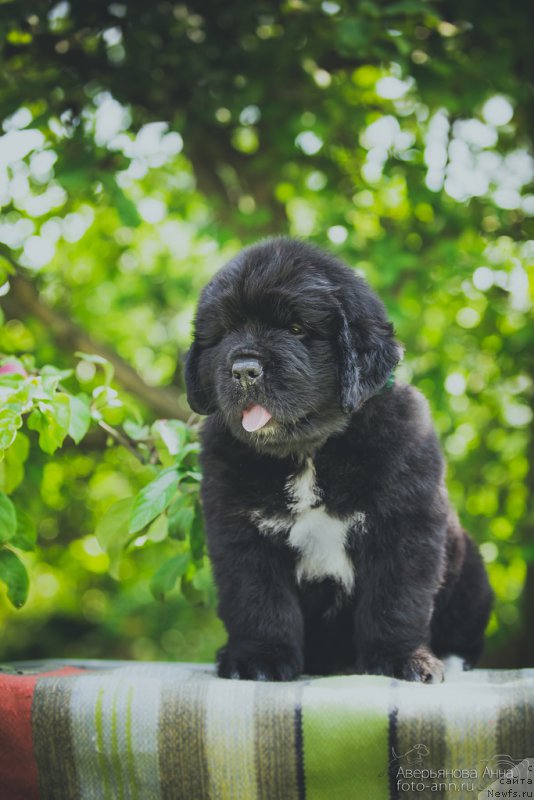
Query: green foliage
[[153, 499], [14, 575], [166, 507], [17, 531], [8, 519], [54, 413], [142, 147], [165, 578], [113, 531]]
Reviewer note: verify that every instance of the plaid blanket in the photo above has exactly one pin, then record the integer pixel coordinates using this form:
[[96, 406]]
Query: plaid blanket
[[129, 731]]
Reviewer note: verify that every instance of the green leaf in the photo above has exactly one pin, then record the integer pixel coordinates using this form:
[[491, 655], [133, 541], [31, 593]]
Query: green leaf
[[51, 377], [107, 405], [8, 519], [153, 499], [173, 433], [135, 431], [26, 535], [93, 358], [112, 531], [165, 578], [61, 411], [51, 419], [203, 581], [80, 418], [10, 422], [158, 530], [181, 514], [13, 574], [37, 390], [190, 592], [196, 477], [193, 447], [104, 396], [12, 467]]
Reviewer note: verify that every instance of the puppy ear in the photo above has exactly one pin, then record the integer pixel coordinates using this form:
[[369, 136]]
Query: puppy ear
[[367, 359], [200, 396]]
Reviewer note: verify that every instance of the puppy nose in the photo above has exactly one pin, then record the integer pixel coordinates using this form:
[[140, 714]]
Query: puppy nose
[[246, 371]]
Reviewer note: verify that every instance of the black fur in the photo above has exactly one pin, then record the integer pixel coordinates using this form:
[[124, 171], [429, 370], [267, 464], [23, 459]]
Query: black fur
[[419, 588]]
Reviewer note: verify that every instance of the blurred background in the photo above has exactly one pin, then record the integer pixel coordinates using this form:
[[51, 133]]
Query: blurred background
[[142, 145]]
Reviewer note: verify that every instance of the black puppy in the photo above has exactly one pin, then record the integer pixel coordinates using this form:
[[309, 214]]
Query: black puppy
[[333, 543]]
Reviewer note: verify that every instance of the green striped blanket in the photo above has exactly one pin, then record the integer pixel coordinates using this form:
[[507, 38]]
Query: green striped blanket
[[130, 731]]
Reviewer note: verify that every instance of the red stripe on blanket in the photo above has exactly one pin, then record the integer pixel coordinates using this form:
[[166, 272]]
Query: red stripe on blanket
[[18, 770]]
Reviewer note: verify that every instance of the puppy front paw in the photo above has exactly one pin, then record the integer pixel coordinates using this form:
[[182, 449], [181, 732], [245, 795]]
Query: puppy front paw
[[258, 662], [422, 666]]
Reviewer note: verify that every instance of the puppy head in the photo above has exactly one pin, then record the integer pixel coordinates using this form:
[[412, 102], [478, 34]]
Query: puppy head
[[288, 343]]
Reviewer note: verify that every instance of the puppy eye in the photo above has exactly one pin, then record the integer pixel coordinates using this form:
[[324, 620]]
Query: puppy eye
[[296, 329]]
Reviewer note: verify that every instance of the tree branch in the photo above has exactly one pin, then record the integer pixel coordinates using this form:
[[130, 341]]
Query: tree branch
[[123, 440]]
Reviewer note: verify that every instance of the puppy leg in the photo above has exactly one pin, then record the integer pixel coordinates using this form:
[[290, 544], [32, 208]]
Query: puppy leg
[[462, 608], [393, 615], [422, 666], [259, 607]]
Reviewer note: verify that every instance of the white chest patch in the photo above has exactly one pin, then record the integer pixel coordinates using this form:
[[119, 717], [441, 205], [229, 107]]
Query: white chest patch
[[319, 538]]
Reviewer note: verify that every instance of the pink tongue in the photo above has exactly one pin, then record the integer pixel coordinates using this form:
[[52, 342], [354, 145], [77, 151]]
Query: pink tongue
[[255, 418]]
